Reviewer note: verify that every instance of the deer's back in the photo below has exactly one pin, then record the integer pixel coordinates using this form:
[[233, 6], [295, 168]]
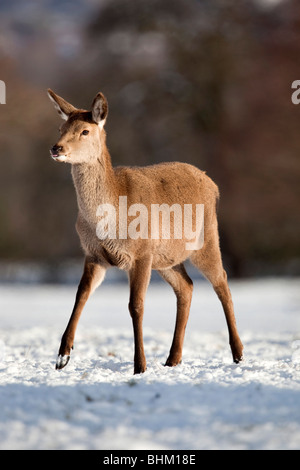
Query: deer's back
[[170, 183]]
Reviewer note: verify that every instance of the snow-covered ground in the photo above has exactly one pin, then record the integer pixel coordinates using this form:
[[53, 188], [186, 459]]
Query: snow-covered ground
[[96, 402]]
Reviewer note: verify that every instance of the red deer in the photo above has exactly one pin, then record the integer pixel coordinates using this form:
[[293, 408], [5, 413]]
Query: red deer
[[98, 184]]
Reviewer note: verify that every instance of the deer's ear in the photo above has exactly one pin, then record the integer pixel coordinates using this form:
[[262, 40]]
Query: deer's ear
[[99, 109], [62, 106]]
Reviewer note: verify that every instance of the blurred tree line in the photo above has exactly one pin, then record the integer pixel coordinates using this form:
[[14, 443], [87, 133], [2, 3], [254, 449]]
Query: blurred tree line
[[204, 82]]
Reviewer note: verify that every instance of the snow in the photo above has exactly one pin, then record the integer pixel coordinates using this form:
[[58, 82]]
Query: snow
[[96, 402]]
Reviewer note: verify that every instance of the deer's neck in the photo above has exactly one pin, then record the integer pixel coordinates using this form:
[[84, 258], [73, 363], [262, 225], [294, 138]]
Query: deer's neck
[[95, 184]]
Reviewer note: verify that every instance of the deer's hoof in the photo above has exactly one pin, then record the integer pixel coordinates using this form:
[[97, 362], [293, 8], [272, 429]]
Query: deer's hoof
[[173, 361], [62, 361], [238, 359]]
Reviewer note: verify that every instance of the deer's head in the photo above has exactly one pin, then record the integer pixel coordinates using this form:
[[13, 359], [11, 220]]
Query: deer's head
[[82, 133]]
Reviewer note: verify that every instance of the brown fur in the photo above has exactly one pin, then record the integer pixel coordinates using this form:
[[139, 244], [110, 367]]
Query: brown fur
[[97, 182]]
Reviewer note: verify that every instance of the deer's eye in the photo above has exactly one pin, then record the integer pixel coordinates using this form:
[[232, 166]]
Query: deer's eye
[[85, 132]]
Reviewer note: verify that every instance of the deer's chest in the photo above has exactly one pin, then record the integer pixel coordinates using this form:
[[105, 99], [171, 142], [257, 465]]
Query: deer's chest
[[112, 252]]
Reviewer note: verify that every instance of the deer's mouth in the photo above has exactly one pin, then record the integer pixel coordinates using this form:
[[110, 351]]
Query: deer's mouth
[[58, 157]]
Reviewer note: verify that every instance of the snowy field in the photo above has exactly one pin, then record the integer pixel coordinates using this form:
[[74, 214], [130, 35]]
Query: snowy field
[[207, 402]]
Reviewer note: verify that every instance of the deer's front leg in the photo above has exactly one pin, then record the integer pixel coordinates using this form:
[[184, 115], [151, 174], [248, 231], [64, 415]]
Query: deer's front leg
[[139, 277], [93, 275]]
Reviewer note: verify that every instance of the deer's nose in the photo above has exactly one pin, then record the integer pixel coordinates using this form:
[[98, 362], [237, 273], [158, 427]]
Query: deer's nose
[[56, 149]]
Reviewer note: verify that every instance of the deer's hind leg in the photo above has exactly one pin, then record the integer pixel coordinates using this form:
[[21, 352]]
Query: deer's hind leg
[[182, 285], [208, 260]]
